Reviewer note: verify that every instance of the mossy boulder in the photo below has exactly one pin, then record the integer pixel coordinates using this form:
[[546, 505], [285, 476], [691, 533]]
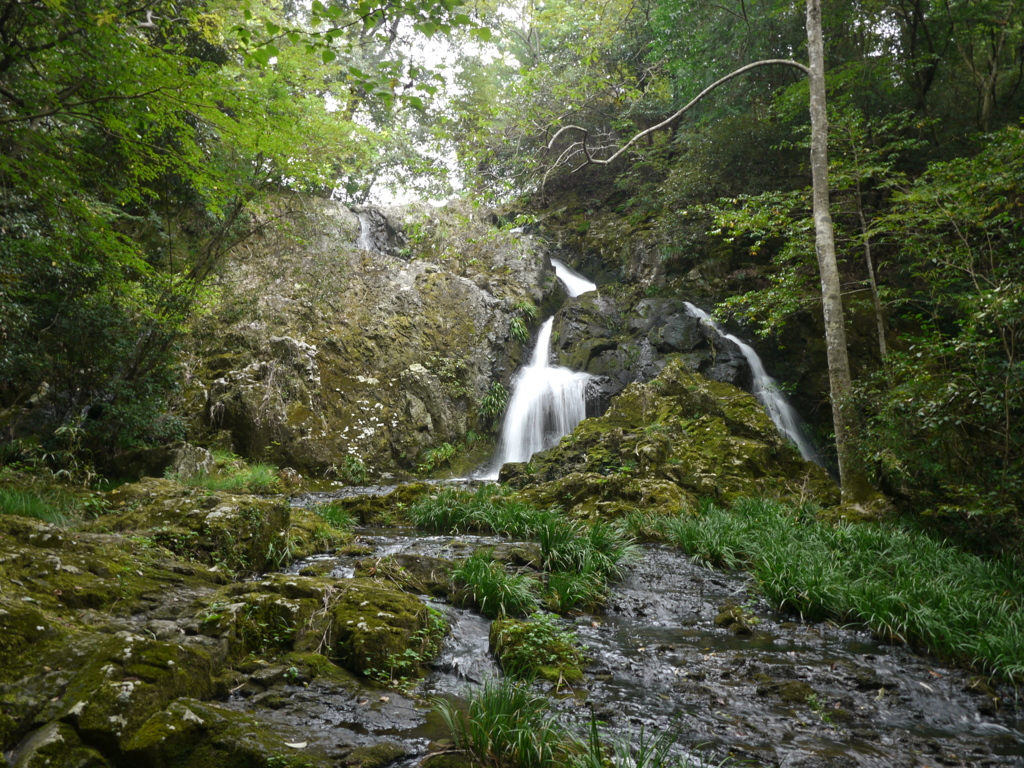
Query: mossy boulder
[[536, 647], [320, 352], [130, 679], [369, 624], [416, 574], [236, 532], [360, 624], [56, 745], [664, 445], [387, 506], [196, 734]]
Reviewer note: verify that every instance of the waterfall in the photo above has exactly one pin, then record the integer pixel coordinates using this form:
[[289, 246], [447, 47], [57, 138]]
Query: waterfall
[[547, 403], [767, 391], [374, 230], [574, 282]]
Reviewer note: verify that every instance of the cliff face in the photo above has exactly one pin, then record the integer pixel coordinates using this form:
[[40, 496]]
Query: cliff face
[[361, 341], [376, 342]]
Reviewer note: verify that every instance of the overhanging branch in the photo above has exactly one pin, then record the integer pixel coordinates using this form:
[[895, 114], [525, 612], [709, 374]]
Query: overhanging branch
[[581, 145]]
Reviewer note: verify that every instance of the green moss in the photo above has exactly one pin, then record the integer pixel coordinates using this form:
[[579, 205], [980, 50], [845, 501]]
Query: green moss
[[129, 680], [665, 444], [789, 691], [376, 756], [194, 734], [369, 624], [538, 647], [239, 533]]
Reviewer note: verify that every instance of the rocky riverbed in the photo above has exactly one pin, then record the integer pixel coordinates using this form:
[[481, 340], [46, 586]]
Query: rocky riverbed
[[190, 628]]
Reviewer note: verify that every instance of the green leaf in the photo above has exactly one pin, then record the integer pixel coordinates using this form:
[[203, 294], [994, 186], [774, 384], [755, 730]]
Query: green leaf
[[327, 55]]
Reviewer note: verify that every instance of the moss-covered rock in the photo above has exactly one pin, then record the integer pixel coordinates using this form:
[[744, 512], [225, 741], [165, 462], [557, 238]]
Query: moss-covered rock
[[127, 681], [237, 532], [367, 624], [417, 574], [665, 444], [376, 756], [195, 734], [320, 353], [56, 745], [537, 647]]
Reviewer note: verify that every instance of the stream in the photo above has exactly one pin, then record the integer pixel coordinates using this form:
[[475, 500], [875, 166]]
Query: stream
[[789, 694]]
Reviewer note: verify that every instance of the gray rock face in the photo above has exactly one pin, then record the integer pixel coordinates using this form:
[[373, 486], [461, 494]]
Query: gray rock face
[[324, 352], [611, 334]]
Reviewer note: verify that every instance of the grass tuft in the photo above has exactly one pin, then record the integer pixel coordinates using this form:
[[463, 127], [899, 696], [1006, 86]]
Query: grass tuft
[[904, 585], [14, 501], [579, 557], [507, 725], [495, 591]]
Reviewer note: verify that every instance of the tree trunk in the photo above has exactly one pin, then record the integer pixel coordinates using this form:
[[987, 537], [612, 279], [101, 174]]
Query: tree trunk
[[851, 478]]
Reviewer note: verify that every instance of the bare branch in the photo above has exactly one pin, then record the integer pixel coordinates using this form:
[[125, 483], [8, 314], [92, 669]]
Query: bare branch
[[591, 160]]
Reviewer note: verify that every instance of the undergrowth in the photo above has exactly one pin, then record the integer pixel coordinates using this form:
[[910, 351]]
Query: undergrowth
[[508, 725], [579, 558], [14, 501], [232, 474], [901, 583], [493, 590]]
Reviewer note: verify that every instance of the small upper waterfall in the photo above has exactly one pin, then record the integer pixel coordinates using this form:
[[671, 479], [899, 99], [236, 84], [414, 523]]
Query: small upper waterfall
[[574, 282], [767, 391], [374, 230]]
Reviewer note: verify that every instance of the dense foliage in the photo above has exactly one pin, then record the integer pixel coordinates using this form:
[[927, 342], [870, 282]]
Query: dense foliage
[[138, 143]]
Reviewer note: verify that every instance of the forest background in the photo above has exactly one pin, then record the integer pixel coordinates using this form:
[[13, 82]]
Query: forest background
[[141, 142]]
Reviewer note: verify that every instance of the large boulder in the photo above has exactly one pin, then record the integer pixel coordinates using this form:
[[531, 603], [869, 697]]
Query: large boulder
[[622, 337], [666, 444]]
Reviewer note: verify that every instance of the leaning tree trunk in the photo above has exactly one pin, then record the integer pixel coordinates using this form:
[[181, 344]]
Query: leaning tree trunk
[[851, 478]]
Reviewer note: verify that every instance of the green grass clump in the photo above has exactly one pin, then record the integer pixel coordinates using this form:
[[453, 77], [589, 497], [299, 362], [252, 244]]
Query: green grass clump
[[901, 583], [579, 557], [486, 510], [14, 501], [336, 514], [232, 474], [507, 725], [493, 590]]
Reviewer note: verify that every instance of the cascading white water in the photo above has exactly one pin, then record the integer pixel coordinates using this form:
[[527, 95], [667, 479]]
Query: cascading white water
[[767, 391], [574, 282], [547, 403]]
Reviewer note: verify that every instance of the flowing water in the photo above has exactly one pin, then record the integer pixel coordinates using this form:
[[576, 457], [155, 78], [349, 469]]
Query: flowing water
[[547, 403], [575, 283], [767, 391], [789, 694]]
